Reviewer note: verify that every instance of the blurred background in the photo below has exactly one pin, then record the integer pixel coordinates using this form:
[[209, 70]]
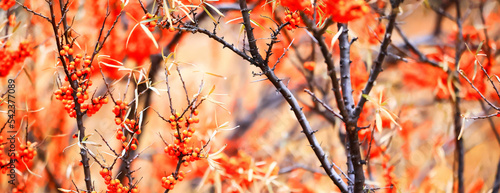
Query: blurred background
[[264, 148]]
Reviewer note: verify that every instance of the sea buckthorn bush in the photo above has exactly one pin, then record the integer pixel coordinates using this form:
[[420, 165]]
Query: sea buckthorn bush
[[249, 96]]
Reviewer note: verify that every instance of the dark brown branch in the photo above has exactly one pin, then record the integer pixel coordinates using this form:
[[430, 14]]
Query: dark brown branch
[[377, 65], [323, 104], [292, 101], [414, 49], [459, 144], [34, 13], [479, 92], [345, 69], [143, 8], [496, 183], [79, 114], [330, 66], [490, 121]]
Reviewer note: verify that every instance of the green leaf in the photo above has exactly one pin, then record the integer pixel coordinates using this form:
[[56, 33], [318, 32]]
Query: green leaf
[[151, 19], [368, 98], [209, 15], [214, 8], [261, 27], [479, 47]]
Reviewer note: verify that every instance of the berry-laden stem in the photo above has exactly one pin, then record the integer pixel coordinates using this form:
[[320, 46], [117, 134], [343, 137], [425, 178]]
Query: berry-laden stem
[[79, 113]]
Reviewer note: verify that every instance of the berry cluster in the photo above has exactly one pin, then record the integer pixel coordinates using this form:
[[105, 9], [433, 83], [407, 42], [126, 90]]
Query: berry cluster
[[126, 125], [161, 23], [79, 69], [10, 57], [179, 149], [21, 187], [4, 160], [25, 152], [7, 4], [119, 111], [293, 18], [114, 185], [152, 24], [64, 94], [170, 181]]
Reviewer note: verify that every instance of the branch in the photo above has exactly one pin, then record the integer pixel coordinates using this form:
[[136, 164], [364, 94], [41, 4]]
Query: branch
[[377, 65], [330, 65], [323, 104], [345, 69], [34, 13], [496, 185], [292, 101], [459, 146]]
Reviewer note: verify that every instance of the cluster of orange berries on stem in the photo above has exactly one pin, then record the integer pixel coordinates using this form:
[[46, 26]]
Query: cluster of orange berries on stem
[[151, 24], [114, 185], [119, 110], [169, 181], [10, 57], [81, 73], [25, 152], [131, 125], [7, 4], [21, 187], [293, 18], [179, 149]]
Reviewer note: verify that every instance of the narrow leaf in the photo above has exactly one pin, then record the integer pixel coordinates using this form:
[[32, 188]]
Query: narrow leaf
[[475, 70], [215, 9], [209, 15], [390, 117], [150, 35], [479, 47], [128, 38], [378, 121], [335, 37], [211, 90], [257, 24], [461, 129]]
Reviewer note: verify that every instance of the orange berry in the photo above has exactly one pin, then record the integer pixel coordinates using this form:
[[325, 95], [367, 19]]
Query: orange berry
[[118, 121], [310, 65]]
